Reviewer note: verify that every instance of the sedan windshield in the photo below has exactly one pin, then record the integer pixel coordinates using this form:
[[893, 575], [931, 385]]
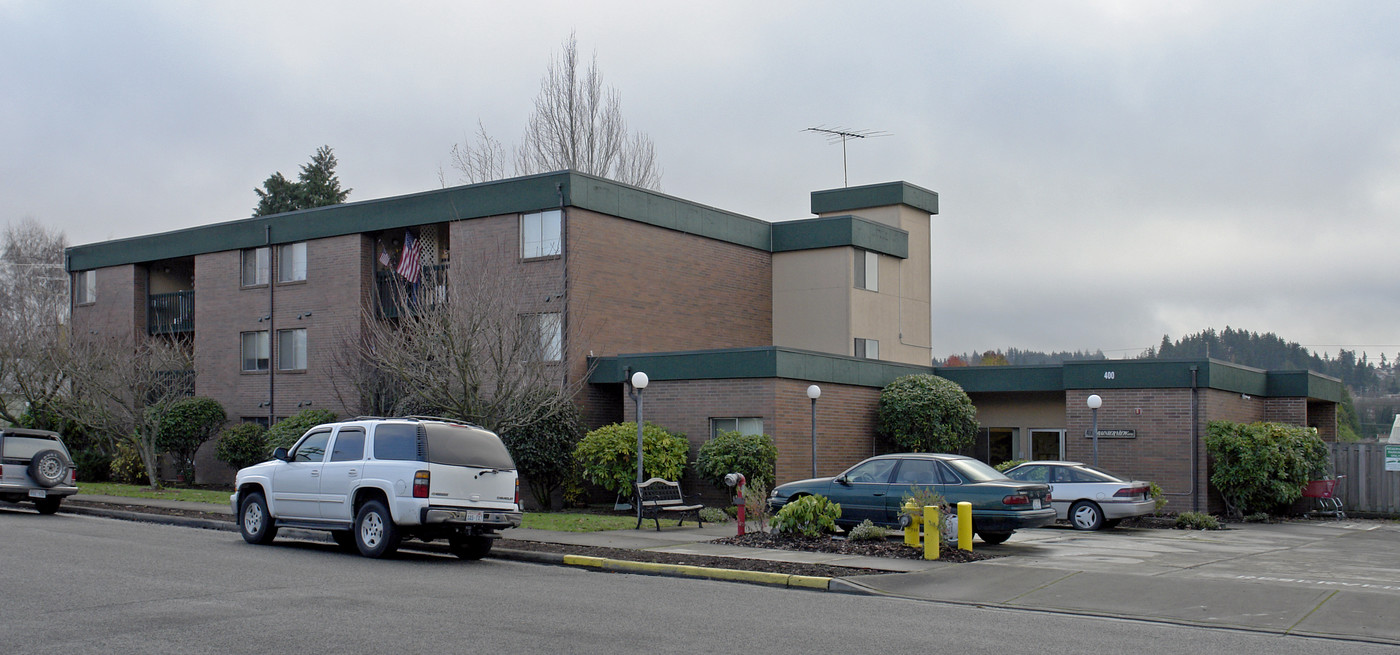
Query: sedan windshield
[[975, 471]]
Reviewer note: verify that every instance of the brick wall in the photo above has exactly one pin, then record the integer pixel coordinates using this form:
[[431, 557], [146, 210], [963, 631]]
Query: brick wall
[[1161, 450], [845, 421], [120, 308]]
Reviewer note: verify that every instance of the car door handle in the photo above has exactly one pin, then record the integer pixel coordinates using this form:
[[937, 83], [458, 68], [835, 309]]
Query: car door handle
[[352, 473], [879, 494], [315, 473]]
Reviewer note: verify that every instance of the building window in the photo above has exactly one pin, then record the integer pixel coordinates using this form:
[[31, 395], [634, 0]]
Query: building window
[[291, 350], [85, 287], [255, 351], [551, 331], [867, 348], [867, 267], [255, 266], [740, 425], [539, 234], [260, 420], [291, 262]]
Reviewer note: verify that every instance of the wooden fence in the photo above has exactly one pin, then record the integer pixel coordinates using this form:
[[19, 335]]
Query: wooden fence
[[1367, 487]]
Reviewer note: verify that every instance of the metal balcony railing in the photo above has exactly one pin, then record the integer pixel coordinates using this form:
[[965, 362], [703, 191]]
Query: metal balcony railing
[[170, 313], [393, 294]]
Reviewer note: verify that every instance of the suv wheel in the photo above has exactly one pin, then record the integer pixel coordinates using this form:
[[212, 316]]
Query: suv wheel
[[254, 521], [469, 547], [375, 532], [48, 468]]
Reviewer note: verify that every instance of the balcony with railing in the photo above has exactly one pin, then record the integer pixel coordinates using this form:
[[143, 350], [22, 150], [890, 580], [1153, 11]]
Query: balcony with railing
[[170, 313], [393, 295]]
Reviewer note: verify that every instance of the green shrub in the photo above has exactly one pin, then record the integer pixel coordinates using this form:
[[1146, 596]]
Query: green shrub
[[754, 455], [608, 456], [1257, 517], [127, 466], [1159, 498], [926, 413], [756, 505], [1196, 521], [284, 433], [543, 450], [243, 445], [809, 516], [1262, 467], [867, 531], [1009, 464], [713, 515], [94, 465], [184, 427]]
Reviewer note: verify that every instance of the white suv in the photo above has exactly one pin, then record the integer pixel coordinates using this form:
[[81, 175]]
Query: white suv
[[35, 465], [372, 482]]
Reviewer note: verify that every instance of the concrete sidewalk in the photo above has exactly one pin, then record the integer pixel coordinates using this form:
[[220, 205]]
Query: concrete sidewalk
[[1338, 579]]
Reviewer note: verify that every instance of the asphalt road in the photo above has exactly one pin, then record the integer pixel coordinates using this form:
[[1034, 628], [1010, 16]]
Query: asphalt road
[[78, 584]]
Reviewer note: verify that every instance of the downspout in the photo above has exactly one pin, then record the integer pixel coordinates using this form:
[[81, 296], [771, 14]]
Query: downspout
[[564, 264], [271, 333], [1195, 442]]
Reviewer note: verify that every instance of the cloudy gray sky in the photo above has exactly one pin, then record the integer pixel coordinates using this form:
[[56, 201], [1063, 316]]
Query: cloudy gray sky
[[1108, 172]]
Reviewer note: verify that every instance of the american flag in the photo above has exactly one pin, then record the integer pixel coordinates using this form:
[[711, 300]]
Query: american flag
[[409, 266]]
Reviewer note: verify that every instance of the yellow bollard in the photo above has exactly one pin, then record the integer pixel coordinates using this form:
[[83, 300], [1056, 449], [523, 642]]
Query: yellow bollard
[[965, 526], [933, 537], [911, 531]]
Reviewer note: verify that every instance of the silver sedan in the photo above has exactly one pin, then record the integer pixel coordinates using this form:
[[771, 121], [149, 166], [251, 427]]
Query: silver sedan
[[1089, 498]]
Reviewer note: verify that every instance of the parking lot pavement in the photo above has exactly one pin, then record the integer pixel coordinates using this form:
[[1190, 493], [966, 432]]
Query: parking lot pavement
[[1338, 579]]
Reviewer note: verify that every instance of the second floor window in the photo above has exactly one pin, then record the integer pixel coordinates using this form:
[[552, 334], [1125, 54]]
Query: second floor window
[[291, 262], [868, 348], [85, 287], [255, 351], [540, 234], [291, 350], [255, 266], [549, 329], [867, 269]]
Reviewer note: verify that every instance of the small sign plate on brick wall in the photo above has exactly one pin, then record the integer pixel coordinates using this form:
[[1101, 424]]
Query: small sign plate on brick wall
[[1111, 433]]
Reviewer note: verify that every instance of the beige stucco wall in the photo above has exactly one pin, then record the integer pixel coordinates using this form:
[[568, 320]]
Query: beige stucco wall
[[817, 307], [811, 300]]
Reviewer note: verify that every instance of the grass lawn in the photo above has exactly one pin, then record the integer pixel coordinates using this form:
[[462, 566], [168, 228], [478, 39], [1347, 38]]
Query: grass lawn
[[139, 491], [556, 521]]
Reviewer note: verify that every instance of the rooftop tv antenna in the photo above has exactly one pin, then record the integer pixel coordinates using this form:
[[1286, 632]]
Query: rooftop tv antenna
[[834, 134]]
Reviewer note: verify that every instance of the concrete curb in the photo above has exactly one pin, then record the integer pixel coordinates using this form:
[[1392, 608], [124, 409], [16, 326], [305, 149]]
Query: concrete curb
[[536, 557]]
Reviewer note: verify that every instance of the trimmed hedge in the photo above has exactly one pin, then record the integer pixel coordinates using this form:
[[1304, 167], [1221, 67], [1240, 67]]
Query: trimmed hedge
[[608, 456]]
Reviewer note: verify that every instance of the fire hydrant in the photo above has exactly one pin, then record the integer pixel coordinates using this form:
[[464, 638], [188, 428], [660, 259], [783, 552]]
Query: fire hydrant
[[910, 523], [737, 481]]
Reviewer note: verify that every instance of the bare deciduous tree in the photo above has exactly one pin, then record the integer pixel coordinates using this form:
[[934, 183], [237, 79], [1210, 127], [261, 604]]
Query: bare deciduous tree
[[33, 312], [577, 124], [122, 385], [466, 351]]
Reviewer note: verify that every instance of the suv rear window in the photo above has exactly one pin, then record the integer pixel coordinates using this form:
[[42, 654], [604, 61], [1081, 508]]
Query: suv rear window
[[397, 441], [459, 445]]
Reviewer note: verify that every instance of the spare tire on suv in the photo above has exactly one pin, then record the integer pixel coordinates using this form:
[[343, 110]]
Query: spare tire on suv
[[35, 466]]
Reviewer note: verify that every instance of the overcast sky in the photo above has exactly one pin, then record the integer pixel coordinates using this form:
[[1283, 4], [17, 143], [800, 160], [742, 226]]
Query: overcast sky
[[1108, 172]]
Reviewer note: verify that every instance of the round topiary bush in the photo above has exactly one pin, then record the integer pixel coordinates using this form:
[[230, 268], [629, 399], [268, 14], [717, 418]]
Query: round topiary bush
[[927, 414], [754, 455], [608, 456], [243, 445], [809, 516]]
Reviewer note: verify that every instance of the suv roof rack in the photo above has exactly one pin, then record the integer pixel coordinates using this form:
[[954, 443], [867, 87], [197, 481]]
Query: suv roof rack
[[417, 417]]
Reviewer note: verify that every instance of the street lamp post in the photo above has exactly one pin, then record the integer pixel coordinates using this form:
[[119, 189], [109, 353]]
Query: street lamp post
[[639, 382], [814, 392], [1095, 402]]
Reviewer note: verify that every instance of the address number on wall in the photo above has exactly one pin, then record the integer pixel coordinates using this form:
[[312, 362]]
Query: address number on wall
[[1109, 375]]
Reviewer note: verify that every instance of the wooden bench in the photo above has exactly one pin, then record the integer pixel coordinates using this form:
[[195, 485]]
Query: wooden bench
[[657, 497]]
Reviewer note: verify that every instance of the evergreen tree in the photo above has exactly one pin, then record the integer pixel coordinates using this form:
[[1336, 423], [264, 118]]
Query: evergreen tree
[[316, 186]]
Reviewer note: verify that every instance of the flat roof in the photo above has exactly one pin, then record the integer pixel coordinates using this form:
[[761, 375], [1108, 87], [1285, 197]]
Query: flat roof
[[515, 195], [790, 363]]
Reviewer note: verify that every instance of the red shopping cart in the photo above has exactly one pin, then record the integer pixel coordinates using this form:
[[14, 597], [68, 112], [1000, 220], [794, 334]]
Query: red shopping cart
[[1324, 495]]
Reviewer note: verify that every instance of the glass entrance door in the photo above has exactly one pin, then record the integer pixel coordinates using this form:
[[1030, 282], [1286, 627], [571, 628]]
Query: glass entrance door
[[1047, 444]]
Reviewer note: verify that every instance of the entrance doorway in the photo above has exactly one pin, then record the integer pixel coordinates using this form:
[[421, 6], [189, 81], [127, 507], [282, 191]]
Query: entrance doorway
[[1047, 444]]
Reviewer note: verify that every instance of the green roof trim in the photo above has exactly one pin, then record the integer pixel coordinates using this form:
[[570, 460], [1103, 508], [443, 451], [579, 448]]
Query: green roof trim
[[849, 199], [761, 362], [653, 208], [790, 363], [837, 231]]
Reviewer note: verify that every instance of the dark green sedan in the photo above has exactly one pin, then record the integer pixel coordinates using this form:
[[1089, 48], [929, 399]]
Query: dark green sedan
[[875, 488]]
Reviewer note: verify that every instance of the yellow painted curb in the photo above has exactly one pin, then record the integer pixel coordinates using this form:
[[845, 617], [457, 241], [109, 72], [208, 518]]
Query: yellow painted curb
[[686, 570]]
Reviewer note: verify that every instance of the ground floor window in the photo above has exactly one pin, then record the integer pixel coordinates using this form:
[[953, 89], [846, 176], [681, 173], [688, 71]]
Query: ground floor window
[[740, 425]]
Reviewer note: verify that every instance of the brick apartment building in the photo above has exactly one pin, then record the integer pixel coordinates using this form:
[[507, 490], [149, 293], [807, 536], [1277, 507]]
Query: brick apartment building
[[731, 317]]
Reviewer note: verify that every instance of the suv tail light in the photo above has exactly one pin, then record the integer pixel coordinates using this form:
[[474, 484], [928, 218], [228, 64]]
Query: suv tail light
[[420, 484], [517, 491]]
